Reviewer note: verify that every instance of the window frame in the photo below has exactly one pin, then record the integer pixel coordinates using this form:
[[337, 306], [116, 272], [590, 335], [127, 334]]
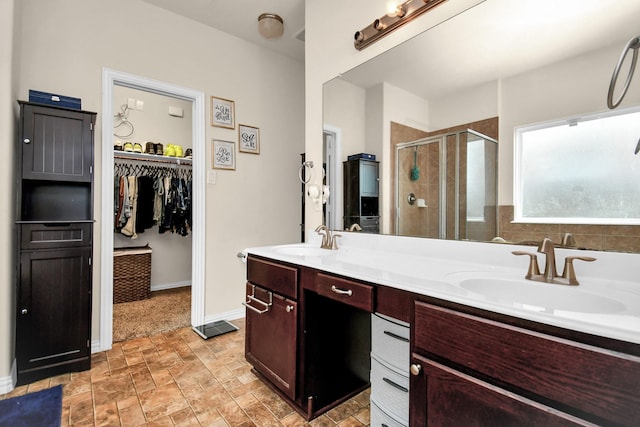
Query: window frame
[[518, 216]]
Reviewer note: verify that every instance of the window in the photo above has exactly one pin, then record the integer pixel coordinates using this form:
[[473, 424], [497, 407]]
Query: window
[[579, 171]]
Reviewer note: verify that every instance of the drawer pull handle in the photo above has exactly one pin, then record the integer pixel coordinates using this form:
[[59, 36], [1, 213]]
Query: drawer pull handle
[[289, 308], [339, 291], [394, 384], [398, 337]]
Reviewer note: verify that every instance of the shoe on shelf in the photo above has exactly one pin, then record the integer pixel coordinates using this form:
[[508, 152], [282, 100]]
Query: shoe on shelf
[[170, 151], [137, 148], [179, 151], [117, 145], [150, 148], [188, 153], [128, 146], [159, 149]]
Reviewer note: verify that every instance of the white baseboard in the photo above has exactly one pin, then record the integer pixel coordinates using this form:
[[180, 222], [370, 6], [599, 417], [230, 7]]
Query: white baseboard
[[165, 286], [7, 384], [229, 315]]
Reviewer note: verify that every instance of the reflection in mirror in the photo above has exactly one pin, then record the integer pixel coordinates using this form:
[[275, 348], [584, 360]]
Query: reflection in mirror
[[517, 63]]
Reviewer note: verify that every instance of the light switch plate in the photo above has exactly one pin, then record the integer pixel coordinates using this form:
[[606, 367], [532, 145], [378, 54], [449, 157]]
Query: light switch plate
[[211, 177]]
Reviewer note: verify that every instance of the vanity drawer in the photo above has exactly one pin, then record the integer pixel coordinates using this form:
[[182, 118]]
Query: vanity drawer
[[390, 391], [390, 342], [380, 419], [281, 279], [347, 291], [592, 380]]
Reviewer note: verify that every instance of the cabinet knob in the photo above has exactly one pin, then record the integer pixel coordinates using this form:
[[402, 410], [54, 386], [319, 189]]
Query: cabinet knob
[[26, 141], [289, 308], [415, 369], [24, 311]]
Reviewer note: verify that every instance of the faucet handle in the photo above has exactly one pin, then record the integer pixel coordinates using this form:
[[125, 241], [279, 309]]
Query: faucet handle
[[533, 263], [569, 272], [334, 241]]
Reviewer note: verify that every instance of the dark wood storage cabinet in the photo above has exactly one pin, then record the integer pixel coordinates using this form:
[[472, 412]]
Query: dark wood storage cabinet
[[54, 189], [361, 194]]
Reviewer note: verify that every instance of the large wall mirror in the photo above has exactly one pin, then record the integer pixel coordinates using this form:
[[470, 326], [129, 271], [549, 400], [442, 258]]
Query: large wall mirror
[[498, 66]]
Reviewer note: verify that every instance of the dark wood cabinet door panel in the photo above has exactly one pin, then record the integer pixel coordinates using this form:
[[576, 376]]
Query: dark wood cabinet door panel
[[595, 381], [57, 144], [270, 338], [53, 313], [441, 396], [280, 278], [347, 291]]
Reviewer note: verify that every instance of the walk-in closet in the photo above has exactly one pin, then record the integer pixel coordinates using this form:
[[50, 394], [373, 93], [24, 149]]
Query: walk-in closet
[[152, 215]]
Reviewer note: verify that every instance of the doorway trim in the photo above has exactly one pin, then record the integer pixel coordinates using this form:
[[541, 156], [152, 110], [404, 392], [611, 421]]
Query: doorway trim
[[334, 155], [109, 79]]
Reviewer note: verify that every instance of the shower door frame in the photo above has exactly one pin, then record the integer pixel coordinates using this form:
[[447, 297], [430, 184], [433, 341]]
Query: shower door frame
[[441, 139]]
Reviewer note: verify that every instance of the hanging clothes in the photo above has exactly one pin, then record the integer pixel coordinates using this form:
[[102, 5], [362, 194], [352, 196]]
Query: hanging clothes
[[150, 195]]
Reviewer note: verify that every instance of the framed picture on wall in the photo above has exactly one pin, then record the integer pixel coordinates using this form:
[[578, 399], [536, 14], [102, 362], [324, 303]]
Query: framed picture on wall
[[223, 113], [248, 139], [223, 155]]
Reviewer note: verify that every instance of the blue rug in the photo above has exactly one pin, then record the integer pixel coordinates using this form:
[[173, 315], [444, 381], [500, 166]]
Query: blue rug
[[39, 409]]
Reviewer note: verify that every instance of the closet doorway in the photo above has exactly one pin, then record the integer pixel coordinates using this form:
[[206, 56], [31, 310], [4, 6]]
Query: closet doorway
[[113, 81]]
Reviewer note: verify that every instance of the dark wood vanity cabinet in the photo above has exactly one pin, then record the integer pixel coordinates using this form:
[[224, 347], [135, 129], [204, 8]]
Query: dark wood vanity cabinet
[[468, 370], [309, 343], [272, 323], [54, 223], [361, 194]]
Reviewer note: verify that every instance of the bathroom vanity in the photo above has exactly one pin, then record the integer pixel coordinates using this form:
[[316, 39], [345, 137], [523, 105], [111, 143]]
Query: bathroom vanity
[[479, 354]]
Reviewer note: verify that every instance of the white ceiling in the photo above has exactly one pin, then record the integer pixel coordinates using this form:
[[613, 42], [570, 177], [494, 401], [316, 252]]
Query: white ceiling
[[240, 18]]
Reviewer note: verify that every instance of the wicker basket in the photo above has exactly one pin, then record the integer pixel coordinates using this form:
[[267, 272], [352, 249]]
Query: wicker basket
[[131, 274]]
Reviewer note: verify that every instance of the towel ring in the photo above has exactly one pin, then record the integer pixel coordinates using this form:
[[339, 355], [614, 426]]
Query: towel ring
[[634, 44], [303, 170]]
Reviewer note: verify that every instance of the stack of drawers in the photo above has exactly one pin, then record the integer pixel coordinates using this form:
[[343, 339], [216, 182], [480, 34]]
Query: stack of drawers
[[389, 371]]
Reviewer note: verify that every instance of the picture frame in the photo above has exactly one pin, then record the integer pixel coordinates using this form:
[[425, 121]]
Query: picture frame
[[223, 155], [223, 112], [248, 139]]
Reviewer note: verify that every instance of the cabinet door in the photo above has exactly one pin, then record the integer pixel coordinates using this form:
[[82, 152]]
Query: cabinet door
[[57, 145], [270, 338], [368, 179], [54, 312], [441, 396]]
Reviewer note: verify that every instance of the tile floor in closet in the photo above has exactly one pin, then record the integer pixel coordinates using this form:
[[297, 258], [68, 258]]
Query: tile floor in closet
[[177, 378]]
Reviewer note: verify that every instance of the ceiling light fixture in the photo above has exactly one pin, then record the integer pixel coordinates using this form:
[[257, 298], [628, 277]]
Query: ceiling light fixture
[[395, 17], [270, 25]]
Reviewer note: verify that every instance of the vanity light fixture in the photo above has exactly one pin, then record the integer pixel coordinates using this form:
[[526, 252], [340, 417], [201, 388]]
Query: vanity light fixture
[[270, 25], [396, 16]]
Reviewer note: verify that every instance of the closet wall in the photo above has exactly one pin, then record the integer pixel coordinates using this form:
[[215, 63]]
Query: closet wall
[[171, 258]]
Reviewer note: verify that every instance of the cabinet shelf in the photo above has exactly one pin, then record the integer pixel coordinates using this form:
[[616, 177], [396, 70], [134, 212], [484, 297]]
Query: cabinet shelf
[[143, 157]]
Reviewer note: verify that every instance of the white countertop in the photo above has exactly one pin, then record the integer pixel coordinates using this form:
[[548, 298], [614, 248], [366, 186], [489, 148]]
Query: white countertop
[[606, 303]]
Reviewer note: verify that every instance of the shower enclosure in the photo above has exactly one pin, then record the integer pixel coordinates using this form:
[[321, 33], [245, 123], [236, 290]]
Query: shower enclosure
[[446, 187]]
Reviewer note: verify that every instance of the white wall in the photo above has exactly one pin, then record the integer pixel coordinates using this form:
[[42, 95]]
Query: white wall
[[8, 117], [64, 46], [171, 257], [345, 109]]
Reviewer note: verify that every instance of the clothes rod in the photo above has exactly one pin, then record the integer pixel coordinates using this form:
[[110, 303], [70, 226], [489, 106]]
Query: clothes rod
[[153, 158]]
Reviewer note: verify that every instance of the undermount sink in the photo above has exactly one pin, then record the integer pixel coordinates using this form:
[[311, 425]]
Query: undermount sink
[[537, 296], [302, 250]]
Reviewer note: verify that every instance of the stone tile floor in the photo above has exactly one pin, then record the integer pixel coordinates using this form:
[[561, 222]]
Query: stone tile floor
[[179, 379]]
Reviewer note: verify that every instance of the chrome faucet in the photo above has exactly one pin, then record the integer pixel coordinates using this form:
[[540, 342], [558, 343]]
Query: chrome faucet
[[550, 274], [329, 241]]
